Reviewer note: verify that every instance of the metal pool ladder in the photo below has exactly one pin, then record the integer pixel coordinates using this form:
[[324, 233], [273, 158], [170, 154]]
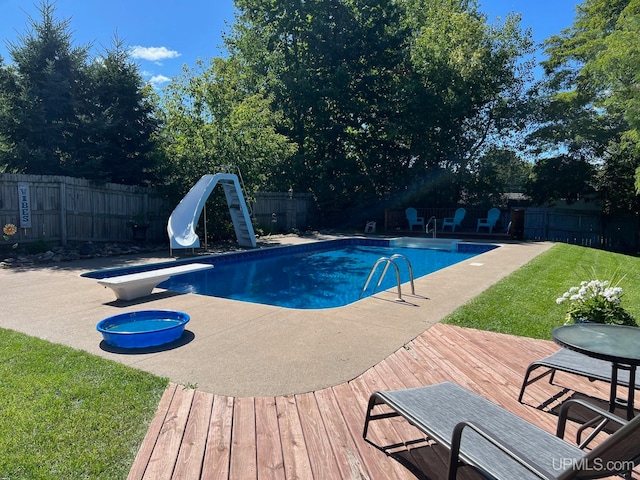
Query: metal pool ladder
[[390, 261], [433, 220]]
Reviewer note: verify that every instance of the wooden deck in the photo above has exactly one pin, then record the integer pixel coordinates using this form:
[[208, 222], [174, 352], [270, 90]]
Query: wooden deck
[[318, 435]]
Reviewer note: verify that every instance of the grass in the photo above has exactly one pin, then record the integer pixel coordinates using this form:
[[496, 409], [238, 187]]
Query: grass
[[524, 302], [67, 414]]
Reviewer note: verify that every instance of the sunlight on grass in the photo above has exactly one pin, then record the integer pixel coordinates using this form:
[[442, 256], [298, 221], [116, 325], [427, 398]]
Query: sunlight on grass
[[68, 414], [524, 302]]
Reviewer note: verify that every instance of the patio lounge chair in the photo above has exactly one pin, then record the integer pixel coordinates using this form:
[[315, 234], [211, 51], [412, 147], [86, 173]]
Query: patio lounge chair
[[502, 445], [575, 363], [490, 222], [454, 221], [413, 218]]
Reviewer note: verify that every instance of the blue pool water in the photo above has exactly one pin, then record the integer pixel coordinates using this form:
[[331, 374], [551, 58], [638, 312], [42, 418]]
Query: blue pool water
[[145, 325], [310, 276], [313, 279]]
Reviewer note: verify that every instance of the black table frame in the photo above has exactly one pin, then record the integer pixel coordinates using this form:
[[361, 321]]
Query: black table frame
[[618, 362]]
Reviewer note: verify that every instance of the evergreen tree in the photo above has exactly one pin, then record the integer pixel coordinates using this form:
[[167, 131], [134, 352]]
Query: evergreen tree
[[8, 90], [50, 79], [120, 124], [63, 113]]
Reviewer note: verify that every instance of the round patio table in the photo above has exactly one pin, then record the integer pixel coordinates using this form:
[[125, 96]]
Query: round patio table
[[617, 344]]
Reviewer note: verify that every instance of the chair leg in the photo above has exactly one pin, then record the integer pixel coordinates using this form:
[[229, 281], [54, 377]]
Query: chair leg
[[526, 382], [372, 403]]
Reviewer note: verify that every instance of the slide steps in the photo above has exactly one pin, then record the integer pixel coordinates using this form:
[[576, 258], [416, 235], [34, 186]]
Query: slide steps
[[185, 217]]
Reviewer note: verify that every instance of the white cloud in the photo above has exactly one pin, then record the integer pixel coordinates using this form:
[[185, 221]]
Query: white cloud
[[153, 54], [158, 80]]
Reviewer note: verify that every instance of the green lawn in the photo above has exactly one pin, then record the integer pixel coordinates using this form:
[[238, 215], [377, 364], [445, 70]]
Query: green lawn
[[525, 302], [66, 414]]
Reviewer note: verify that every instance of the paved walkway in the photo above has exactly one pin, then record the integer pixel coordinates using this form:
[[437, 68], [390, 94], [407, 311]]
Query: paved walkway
[[240, 349]]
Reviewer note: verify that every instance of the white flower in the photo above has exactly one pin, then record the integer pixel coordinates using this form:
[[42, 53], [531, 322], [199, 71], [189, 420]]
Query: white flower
[[612, 294], [596, 301]]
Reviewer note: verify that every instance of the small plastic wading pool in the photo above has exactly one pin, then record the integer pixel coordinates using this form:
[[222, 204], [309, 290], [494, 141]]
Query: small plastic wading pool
[[141, 329]]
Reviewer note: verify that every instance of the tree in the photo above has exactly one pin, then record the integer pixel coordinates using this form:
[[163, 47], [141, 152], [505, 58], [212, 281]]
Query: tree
[[384, 99], [50, 81], [498, 171], [328, 64], [561, 178], [8, 91], [120, 127], [63, 113], [590, 105], [212, 123]]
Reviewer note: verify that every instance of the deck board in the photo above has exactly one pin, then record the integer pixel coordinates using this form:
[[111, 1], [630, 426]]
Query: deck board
[[319, 450], [269, 449], [148, 445], [217, 456], [343, 446], [193, 444], [165, 453], [243, 442], [294, 447], [318, 435]]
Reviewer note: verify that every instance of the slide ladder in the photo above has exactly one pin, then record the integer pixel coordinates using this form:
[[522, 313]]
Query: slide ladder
[[184, 218], [239, 213]]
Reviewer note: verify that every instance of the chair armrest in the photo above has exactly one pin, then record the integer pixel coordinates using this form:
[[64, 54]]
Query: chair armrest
[[603, 417], [517, 456]]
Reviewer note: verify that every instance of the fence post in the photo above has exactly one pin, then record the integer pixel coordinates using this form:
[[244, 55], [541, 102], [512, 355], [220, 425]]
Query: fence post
[[63, 213], [291, 212], [145, 205]]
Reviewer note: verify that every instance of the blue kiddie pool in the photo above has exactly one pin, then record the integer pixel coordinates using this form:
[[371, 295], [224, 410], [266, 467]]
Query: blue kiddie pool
[[145, 328]]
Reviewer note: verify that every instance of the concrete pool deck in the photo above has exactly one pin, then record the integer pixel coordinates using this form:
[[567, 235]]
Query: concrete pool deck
[[241, 349]]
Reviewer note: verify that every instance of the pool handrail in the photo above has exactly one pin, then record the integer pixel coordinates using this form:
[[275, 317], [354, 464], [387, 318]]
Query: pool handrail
[[389, 261], [409, 267]]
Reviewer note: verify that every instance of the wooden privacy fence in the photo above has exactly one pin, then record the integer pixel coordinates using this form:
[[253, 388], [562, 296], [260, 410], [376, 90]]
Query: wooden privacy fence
[[587, 228], [61, 209], [283, 212]]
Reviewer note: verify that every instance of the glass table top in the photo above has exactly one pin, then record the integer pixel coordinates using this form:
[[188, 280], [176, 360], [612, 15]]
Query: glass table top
[[616, 343]]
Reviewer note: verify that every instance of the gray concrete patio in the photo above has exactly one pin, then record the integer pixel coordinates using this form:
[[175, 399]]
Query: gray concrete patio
[[242, 349]]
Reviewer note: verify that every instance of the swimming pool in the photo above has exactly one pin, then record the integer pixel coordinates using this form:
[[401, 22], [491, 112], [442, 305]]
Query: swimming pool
[[316, 275]]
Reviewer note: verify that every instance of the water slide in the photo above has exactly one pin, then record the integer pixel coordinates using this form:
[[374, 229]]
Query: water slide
[[184, 218]]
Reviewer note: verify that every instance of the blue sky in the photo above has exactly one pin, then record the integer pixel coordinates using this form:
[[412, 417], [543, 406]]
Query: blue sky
[[165, 34]]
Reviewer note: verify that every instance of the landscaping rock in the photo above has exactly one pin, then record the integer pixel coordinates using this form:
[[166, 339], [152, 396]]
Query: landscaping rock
[[62, 254]]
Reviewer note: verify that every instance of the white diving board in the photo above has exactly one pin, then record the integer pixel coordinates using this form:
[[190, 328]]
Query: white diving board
[[136, 285]]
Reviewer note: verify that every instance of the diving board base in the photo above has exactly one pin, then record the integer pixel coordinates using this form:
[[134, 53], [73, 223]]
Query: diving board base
[[136, 285]]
